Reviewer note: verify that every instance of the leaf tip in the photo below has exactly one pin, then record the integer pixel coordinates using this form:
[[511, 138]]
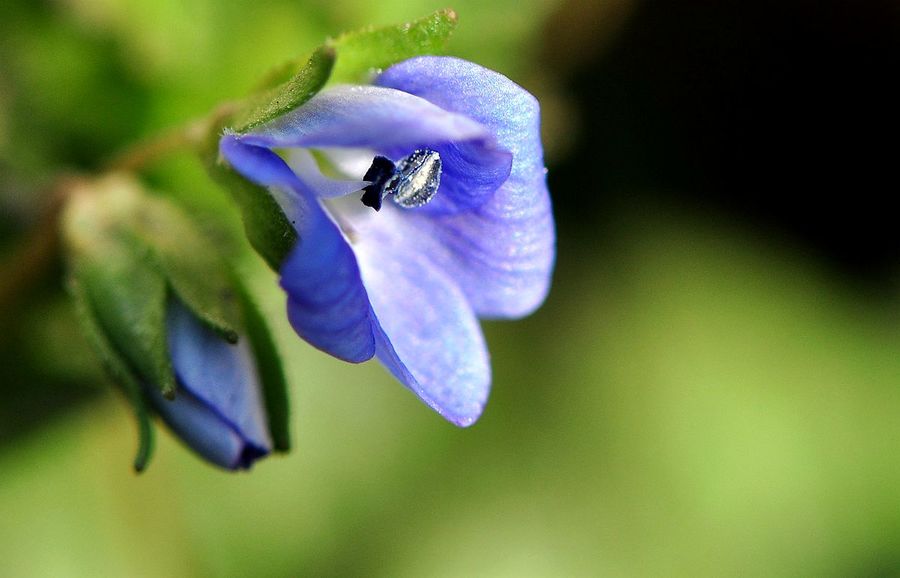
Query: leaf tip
[[145, 442], [326, 51]]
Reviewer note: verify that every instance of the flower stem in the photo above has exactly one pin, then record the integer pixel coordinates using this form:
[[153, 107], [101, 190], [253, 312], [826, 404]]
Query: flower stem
[[147, 151]]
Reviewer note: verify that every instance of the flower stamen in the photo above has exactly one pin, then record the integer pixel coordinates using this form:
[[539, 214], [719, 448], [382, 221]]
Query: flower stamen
[[413, 181]]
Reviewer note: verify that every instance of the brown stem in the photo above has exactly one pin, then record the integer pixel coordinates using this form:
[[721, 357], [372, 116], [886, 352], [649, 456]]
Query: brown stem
[[30, 260], [189, 135]]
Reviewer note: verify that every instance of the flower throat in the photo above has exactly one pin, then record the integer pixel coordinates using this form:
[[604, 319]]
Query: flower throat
[[413, 181]]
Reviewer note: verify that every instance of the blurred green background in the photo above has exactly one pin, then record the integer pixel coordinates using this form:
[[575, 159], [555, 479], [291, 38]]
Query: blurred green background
[[710, 390]]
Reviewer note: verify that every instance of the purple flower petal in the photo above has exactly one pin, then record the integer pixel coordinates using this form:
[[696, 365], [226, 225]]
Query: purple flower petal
[[429, 337], [218, 409], [470, 176], [365, 117], [485, 245], [327, 303], [502, 252], [204, 431], [394, 123]]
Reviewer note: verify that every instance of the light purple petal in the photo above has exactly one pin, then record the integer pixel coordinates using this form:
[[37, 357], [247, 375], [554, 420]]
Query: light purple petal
[[366, 117], [502, 252], [394, 123], [218, 409], [327, 302], [429, 337]]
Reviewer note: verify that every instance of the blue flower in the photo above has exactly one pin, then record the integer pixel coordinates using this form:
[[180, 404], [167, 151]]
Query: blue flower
[[218, 408], [465, 231]]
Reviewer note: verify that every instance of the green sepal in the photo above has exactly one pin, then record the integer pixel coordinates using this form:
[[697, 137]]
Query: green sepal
[[268, 229], [271, 374], [118, 369], [367, 51], [276, 101], [129, 294], [191, 265]]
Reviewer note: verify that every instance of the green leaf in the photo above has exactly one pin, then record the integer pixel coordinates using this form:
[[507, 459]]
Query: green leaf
[[268, 363], [191, 265], [274, 102], [280, 74], [369, 50], [118, 369]]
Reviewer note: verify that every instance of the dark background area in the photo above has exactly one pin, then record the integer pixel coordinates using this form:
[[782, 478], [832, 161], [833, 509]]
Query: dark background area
[[782, 113]]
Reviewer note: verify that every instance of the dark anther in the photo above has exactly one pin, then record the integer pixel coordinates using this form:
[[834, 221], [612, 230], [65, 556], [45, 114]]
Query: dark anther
[[378, 174]]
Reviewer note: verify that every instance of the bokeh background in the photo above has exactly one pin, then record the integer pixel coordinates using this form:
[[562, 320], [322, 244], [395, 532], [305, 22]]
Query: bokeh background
[[710, 390]]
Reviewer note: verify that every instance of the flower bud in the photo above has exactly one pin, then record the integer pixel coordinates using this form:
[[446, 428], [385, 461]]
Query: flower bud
[[218, 409], [173, 326]]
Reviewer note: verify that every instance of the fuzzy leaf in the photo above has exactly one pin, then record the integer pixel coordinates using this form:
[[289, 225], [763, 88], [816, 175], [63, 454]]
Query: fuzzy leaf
[[274, 102], [369, 50]]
